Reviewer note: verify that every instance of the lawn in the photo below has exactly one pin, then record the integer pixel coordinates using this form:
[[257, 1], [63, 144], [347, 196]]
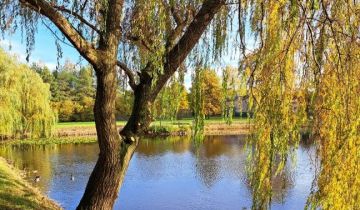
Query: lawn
[[188, 121]]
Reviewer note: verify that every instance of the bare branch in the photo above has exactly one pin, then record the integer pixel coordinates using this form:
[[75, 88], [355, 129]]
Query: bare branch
[[55, 35], [129, 73]]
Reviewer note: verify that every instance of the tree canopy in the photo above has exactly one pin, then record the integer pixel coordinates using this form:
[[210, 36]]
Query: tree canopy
[[305, 57], [305, 48], [25, 109]]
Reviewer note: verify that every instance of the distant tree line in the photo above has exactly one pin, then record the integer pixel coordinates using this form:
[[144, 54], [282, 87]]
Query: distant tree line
[[73, 94], [72, 91], [34, 98]]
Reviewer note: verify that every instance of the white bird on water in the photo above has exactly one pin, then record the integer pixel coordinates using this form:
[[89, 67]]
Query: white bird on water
[[72, 178]]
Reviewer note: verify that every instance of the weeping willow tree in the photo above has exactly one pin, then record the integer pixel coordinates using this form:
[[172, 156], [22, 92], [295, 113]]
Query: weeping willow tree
[[229, 92], [305, 48], [24, 101], [198, 106], [148, 40], [168, 102], [299, 43]]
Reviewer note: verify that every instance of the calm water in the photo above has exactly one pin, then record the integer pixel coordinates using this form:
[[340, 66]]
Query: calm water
[[167, 174]]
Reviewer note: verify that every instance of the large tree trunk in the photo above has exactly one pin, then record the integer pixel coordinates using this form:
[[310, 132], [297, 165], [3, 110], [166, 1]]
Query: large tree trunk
[[115, 154], [140, 117]]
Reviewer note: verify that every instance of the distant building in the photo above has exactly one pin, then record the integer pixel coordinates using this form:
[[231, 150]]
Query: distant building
[[241, 108]]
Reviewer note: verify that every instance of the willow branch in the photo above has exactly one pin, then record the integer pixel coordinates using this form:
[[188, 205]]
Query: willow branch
[[46, 9], [79, 17]]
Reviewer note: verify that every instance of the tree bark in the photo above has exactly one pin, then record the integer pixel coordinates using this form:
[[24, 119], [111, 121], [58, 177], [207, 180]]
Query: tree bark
[[140, 117], [115, 154]]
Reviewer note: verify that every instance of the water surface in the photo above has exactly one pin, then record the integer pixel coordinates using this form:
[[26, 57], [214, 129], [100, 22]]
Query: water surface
[[168, 173]]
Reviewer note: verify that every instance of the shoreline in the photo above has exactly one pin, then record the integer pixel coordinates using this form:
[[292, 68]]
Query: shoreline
[[16, 193], [163, 130], [87, 134], [167, 129]]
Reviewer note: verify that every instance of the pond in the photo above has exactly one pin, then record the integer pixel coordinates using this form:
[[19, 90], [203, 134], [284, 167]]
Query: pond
[[171, 173]]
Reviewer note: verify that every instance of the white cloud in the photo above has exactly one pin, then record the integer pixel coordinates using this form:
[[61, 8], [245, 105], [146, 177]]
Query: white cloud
[[17, 49]]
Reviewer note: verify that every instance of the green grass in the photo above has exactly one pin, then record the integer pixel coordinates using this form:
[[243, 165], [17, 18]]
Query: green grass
[[188, 121], [82, 124], [16, 193], [169, 128], [60, 140]]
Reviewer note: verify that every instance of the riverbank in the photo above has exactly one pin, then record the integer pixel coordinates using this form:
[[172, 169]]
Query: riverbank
[[160, 128], [16, 193], [85, 132]]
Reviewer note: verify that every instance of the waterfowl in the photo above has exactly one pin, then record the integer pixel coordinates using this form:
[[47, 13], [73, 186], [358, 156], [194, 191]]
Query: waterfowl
[[37, 179]]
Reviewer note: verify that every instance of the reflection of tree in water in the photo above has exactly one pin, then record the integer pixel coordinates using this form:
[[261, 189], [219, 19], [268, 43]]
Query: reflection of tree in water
[[150, 162], [34, 160], [214, 146], [207, 157], [267, 182], [208, 170], [282, 183], [151, 147], [38, 160]]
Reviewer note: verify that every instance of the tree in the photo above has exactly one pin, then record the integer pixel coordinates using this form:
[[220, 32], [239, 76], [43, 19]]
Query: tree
[[299, 46], [25, 101], [198, 101], [211, 91], [85, 94], [171, 99], [96, 29], [49, 78], [124, 100], [72, 91], [230, 89], [305, 47]]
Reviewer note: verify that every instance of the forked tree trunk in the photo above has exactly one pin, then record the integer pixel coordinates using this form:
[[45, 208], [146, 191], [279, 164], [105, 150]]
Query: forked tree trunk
[[140, 117], [115, 154]]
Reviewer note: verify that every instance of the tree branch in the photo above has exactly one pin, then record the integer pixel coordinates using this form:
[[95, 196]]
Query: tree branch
[[189, 39], [177, 17], [129, 73], [113, 23], [44, 8], [140, 42], [193, 33], [79, 17]]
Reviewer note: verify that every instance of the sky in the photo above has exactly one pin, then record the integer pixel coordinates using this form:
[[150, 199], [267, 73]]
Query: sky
[[45, 51]]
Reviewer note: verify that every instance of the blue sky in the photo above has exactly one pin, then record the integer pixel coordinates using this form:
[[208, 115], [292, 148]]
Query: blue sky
[[45, 51]]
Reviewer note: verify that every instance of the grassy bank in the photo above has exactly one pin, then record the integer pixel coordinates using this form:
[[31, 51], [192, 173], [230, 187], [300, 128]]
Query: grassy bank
[[16, 193], [187, 121], [55, 140], [213, 126], [85, 132]]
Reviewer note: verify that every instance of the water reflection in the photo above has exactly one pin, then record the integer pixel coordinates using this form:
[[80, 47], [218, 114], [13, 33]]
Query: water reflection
[[168, 173]]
